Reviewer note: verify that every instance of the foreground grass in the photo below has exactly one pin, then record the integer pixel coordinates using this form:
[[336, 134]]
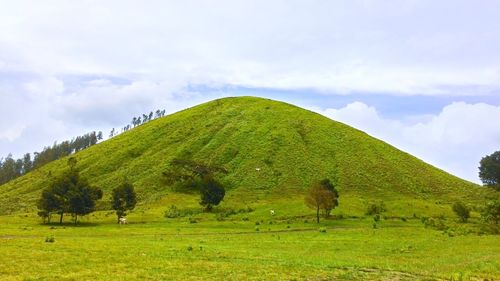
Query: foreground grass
[[233, 249]]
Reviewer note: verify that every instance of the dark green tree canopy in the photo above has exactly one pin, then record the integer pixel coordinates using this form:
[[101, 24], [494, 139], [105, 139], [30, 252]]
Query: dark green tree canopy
[[124, 198], [489, 170], [212, 193], [68, 193]]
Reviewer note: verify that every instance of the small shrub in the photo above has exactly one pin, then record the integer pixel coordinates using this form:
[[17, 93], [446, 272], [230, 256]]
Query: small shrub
[[172, 212], [219, 217], [288, 226], [376, 218], [374, 225], [192, 220], [244, 219], [461, 211], [257, 223], [322, 229], [375, 208], [403, 219], [257, 228], [189, 248], [50, 239]]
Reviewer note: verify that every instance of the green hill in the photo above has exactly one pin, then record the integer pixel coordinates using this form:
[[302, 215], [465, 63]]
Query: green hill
[[273, 152]]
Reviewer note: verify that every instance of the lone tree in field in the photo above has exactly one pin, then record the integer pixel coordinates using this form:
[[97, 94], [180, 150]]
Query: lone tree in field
[[192, 175], [124, 199], [489, 170], [320, 197], [212, 193], [461, 211], [68, 193]]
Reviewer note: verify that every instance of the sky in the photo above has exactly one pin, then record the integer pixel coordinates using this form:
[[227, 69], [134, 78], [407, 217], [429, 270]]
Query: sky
[[423, 76]]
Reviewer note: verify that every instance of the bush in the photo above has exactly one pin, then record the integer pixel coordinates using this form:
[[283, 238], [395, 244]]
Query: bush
[[376, 217], [461, 211], [50, 239], [374, 208], [322, 229], [491, 212], [192, 220], [172, 212]]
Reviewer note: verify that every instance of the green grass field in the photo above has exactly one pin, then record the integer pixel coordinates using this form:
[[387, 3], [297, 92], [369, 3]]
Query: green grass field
[[280, 247]]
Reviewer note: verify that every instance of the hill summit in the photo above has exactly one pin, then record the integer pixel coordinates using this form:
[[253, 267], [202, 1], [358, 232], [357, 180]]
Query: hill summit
[[270, 149]]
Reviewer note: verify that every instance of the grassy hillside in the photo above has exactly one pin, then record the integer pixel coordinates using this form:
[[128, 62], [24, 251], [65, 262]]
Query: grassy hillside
[[292, 147]]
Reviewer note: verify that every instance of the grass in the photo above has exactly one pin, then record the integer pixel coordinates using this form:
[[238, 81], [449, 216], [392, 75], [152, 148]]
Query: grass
[[155, 248]]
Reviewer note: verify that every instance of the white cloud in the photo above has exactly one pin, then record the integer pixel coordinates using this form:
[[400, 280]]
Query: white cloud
[[327, 46], [454, 140]]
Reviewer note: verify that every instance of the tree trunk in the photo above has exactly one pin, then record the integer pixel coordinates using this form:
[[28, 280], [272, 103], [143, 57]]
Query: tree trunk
[[61, 218], [76, 218], [317, 214]]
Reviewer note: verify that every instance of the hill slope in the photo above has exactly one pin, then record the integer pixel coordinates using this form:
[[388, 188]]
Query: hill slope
[[292, 147]]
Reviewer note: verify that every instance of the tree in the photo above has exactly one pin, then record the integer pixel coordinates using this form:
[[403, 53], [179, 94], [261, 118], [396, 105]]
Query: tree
[[489, 170], [212, 193], [319, 198], [123, 199], [461, 211]]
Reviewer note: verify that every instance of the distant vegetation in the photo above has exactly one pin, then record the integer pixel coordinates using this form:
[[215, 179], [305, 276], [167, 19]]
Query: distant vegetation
[[11, 168]]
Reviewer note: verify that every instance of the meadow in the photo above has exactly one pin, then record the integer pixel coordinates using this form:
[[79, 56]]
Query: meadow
[[246, 245]]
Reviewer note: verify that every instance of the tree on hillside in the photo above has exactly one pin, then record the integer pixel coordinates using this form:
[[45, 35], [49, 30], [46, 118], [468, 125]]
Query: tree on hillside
[[194, 175], [212, 193], [68, 193], [320, 198], [124, 198], [489, 170]]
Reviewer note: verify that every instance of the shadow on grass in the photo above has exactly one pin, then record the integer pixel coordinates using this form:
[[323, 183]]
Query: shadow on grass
[[70, 224]]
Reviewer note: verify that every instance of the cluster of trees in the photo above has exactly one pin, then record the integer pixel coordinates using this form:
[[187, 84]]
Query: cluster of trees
[[322, 196], [72, 194], [192, 175], [69, 193], [11, 168], [139, 120]]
